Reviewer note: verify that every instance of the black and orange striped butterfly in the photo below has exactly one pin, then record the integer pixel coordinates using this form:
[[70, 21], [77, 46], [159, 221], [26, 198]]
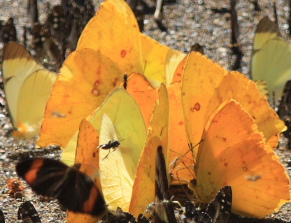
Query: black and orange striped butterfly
[[75, 190]]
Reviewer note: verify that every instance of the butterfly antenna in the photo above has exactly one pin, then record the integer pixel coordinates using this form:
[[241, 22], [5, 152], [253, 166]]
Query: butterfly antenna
[[189, 168], [191, 147]]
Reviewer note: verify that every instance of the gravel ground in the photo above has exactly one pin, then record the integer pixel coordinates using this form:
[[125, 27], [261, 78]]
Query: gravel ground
[[188, 22]]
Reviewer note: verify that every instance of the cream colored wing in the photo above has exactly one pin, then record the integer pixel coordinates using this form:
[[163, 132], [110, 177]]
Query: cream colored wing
[[18, 64]]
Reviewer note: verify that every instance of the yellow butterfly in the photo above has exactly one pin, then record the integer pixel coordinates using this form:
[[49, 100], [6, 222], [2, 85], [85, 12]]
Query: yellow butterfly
[[270, 60], [27, 88], [85, 80]]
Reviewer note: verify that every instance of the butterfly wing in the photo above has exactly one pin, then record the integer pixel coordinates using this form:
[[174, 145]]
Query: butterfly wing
[[243, 90], [87, 154], [266, 29], [145, 96], [2, 218], [33, 96], [107, 131], [117, 36], [117, 171], [270, 61], [18, 65], [144, 192], [204, 76], [160, 61], [27, 213], [181, 157], [80, 88], [219, 209], [74, 190], [235, 154], [165, 211], [194, 215]]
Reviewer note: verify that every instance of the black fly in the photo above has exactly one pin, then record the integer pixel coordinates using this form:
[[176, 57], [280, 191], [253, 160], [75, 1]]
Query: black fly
[[110, 145]]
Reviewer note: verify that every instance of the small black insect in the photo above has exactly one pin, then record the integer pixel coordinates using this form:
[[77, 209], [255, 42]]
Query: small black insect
[[125, 79], [110, 145]]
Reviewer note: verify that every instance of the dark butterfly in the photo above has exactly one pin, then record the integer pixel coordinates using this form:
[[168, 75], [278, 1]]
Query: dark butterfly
[[46, 48], [284, 110], [27, 213], [32, 11], [119, 216], [8, 32], [256, 5], [75, 190], [217, 211], [197, 47], [56, 23], [235, 42], [2, 218], [164, 209]]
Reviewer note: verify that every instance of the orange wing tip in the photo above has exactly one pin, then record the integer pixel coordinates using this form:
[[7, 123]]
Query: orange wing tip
[[25, 131]]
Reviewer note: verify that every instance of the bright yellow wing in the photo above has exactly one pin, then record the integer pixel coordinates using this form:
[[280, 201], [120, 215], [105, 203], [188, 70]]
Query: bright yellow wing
[[118, 170], [86, 78], [143, 192], [270, 60], [200, 78], [233, 153], [160, 61], [115, 32], [27, 88]]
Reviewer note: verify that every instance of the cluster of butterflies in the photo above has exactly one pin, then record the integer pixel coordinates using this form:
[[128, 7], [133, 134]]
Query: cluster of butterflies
[[84, 110], [78, 193]]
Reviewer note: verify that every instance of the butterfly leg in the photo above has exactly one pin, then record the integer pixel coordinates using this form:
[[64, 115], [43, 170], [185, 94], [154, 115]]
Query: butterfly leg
[[106, 155]]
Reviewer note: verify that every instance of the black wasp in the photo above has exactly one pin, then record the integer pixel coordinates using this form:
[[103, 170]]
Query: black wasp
[[110, 145]]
